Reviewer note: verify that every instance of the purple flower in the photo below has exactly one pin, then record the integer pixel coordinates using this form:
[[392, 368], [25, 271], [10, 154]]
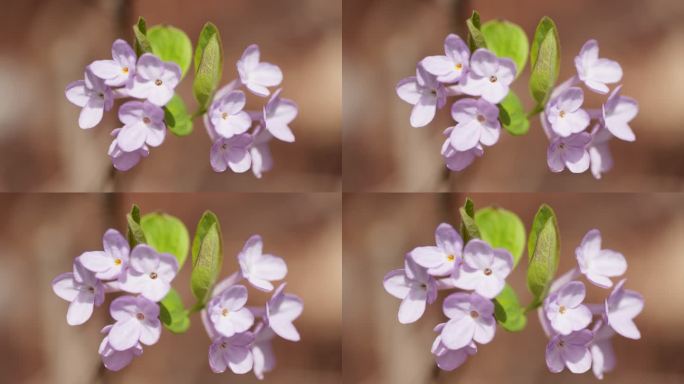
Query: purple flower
[[489, 76], [484, 269], [450, 359], [232, 352], [116, 360], [425, 93], [565, 113], [82, 290], [109, 263], [596, 72], [120, 69], [570, 152], [233, 153], [278, 114], [262, 161], [477, 123], [150, 273], [458, 160], [445, 257], [262, 352], [258, 268], [414, 287], [227, 115], [602, 353], [618, 111], [453, 64], [227, 311], [155, 80], [122, 160], [143, 125], [565, 310], [597, 264], [281, 310], [137, 320], [622, 306], [599, 153], [471, 318], [570, 351], [93, 96], [256, 75]]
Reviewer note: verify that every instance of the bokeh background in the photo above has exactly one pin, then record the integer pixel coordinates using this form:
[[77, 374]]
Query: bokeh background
[[383, 41], [45, 44], [41, 234], [380, 229]]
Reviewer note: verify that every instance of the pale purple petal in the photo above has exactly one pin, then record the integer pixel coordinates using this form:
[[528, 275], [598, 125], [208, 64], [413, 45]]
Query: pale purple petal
[[413, 305], [396, 284], [125, 334]]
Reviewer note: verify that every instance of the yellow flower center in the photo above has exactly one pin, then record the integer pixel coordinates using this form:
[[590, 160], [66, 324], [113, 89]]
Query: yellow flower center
[[451, 257], [459, 66], [124, 70], [117, 261]]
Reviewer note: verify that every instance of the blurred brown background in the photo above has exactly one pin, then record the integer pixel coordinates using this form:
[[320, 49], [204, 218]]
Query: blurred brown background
[[41, 234], [380, 229], [383, 41], [45, 44]]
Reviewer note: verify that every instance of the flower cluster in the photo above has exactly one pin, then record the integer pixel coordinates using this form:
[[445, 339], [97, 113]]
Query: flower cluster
[[482, 75], [579, 136], [228, 123], [575, 342], [241, 335], [146, 78], [479, 270], [144, 274]]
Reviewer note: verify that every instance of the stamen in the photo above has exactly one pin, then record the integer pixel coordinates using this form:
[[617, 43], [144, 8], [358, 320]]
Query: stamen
[[451, 257], [146, 120], [225, 312], [158, 82], [474, 314], [140, 316], [481, 118], [91, 289], [117, 261], [124, 69], [561, 114], [224, 345], [487, 271], [492, 79], [459, 66], [562, 309], [224, 115], [153, 275], [561, 343]]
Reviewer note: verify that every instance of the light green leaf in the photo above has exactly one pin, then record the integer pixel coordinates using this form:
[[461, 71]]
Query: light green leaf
[[513, 116], [469, 228], [544, 61], [209, 67], [166, 234], [173, 314], [508, 312], [544, 240], [176, 117], [171, 44], [135, 233], [507, 39], [207, 257], [142, 44], [475, 37], [502, 229]]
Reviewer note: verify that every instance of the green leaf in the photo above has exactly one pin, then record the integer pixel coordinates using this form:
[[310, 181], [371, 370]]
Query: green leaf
[[513, 116], [507, 39], [508, 312], [209, 66], [475, 37], [544, 240], [171, 44], [544, 61], [177, 118], [135, 233], [166, 234], [502, 229], [469, 228], [173, 314], [207, 257], [142, 44]]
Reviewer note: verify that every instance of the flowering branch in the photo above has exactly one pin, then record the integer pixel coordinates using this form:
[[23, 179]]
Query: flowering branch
[[479, 75], [150, 74], [143, 266], [476, 263]]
